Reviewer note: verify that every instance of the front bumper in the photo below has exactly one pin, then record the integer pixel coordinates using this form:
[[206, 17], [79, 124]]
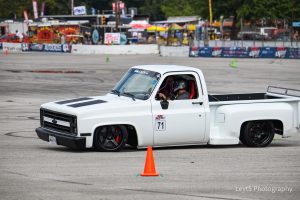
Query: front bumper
[[64, 140]]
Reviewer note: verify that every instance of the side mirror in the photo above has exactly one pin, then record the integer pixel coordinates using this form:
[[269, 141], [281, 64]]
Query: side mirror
[[164, 104]]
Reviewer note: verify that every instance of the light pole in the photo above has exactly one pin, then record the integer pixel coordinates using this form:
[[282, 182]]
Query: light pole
[[221, 26], [210, 12], [72, 7], [117, 14]]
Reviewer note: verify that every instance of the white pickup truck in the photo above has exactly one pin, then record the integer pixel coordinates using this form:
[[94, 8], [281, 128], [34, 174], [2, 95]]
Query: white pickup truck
[[133, 113]]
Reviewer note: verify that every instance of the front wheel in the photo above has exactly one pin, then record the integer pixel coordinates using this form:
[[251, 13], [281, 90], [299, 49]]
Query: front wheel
[[257, 133], [110, 138]]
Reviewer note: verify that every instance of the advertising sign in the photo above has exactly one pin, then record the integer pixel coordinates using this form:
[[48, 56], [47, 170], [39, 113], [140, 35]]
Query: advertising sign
[[267, 52], [254, 52], [216, 52], [112, 38], [12, 47], [244, 52], [235, 52], [293, 53], [205, 52], [64, 48], [80, 10], [95, 36]]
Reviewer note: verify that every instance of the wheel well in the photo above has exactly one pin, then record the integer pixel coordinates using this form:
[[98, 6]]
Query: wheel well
[[132, 136], [278, 126]]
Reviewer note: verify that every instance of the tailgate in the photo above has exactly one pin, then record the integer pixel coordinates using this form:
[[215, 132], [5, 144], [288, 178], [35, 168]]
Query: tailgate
[[287, 92]]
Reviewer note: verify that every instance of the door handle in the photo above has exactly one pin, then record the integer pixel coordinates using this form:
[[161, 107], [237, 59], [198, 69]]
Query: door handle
[[200, 103]]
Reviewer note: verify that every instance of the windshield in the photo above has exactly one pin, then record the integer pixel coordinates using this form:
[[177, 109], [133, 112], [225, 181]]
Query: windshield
[[137, 83]]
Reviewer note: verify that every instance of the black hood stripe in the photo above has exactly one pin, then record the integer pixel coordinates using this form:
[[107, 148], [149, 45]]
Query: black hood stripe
[[87, 103], [73, 100]]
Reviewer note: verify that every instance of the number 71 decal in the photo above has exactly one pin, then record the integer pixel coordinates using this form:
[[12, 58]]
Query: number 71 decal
[[160, 123]]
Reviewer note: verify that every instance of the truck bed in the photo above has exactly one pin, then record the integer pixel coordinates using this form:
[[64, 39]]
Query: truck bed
[[240, 97], [272, 93]]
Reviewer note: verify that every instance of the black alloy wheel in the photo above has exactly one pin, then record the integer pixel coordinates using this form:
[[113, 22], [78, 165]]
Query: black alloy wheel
[[110, 138], [258, 133]]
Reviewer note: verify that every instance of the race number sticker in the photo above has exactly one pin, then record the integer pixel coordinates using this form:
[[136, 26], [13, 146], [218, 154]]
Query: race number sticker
[[160, 123]]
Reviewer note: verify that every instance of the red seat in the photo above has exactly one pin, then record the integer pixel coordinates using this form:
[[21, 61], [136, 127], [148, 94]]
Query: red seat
[[192, 90]]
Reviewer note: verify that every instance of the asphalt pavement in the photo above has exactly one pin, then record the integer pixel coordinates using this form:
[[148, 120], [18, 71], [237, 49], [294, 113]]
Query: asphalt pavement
[[31, 169]]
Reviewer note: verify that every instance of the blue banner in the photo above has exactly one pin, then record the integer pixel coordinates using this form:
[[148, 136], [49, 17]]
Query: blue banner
[[63, 48], [56, 48], [205, 52], [293, 53], [267, 52], [235, 52], [1, 46], [246, 52]]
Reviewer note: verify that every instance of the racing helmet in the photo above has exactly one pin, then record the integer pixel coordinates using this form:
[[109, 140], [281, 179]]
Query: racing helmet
[[179, 85]]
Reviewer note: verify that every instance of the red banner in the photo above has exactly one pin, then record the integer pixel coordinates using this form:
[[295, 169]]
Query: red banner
[[43, 9], [25, 15], [35, 9]]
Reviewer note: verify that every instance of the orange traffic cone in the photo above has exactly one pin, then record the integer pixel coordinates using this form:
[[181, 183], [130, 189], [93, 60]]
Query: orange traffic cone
[[149, 169]]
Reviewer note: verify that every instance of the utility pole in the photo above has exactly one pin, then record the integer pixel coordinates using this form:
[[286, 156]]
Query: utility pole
[[117, 14], [72, 7], [210, 12], [293, 15]]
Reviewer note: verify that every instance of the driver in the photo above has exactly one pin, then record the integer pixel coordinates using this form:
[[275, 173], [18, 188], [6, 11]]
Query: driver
[[180, 91]]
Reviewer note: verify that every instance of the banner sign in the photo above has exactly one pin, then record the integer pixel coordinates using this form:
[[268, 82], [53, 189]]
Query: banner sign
[[25, 16], [254, 52], [35, 9], [267, 52], [121, 6], [112, 38], [12, 47], [1, 46], [293, 53], [246, 52], [80, 10], [235, 52], [205, 52], [43, 9], [62, 48]]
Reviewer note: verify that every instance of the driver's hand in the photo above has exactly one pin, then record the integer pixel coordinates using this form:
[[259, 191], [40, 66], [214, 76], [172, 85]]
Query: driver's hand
[[162, 96]]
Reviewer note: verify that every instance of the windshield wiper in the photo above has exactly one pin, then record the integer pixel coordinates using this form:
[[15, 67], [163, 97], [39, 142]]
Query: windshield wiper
[[130, 95], [116, 92]]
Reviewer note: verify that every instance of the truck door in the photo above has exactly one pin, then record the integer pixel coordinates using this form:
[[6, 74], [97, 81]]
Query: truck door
[[183, 122]]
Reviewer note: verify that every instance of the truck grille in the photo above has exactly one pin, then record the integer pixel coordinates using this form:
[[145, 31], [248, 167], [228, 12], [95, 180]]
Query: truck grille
[[58, 122]]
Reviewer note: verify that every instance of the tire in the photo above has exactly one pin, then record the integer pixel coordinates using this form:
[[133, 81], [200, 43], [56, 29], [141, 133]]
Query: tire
[[110, 138], [258, 133]]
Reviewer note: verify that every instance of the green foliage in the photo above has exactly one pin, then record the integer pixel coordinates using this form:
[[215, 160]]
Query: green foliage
[[177, 8], [160, 9]]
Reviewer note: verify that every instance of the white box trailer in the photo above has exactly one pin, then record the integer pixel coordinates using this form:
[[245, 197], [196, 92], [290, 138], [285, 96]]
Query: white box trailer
[[10, 26]]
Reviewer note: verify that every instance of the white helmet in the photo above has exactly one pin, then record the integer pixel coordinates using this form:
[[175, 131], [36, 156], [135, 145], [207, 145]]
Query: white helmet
[[179, 85]]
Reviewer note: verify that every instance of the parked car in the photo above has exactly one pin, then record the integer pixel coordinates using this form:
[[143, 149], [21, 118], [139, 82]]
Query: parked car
[[250, 35]]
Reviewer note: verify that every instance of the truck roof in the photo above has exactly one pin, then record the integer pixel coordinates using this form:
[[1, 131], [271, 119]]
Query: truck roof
[[166, 68]]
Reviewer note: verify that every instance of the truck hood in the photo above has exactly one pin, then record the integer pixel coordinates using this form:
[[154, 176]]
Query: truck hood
[[82, 106]]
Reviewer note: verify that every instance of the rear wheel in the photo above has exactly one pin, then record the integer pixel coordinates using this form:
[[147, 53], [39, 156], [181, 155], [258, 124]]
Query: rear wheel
[[258, 133], [110, 138]]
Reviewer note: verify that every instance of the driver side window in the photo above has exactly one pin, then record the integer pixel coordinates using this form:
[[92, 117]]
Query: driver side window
[[178, 87]]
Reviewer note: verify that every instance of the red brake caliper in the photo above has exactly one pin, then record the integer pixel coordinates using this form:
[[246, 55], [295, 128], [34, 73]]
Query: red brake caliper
[[118, 138]]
